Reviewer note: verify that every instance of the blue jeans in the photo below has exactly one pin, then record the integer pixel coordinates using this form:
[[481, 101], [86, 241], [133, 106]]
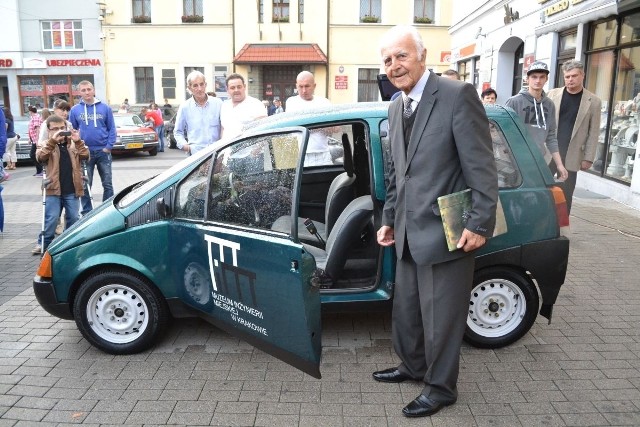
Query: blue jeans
[[53, 209], [102, 161], [160, 131]]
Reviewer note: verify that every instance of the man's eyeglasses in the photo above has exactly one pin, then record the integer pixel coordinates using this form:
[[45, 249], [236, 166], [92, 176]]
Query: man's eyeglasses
[[58, 128]]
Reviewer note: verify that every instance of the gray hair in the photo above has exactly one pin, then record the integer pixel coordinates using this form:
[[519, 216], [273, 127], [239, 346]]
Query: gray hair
[[194, 75], [400, 31], [572, 64]]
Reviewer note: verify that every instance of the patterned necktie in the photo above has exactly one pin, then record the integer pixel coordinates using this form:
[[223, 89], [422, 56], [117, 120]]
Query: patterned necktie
[[407, 108]]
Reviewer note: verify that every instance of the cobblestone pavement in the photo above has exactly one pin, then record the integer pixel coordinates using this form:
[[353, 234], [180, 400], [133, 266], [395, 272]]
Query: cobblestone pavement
[[581, 370]]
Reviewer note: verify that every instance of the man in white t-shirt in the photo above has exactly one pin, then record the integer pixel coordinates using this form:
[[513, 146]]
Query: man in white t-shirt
[[318, 149], [240, 108]]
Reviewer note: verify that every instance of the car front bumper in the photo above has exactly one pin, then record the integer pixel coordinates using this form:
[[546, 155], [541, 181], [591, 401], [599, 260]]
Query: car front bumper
[[46, 296]]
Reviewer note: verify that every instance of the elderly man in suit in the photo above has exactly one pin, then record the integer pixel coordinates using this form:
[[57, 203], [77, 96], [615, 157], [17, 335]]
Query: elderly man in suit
[[440, 144], [578, 118]]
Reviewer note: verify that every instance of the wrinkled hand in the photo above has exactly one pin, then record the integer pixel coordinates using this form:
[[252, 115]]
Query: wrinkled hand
[[562, 173], [385, 236], [470, 241]]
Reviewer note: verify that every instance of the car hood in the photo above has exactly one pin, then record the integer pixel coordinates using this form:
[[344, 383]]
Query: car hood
[[102, 221]]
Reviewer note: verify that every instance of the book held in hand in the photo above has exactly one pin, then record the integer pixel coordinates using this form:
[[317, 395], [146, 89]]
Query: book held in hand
[[454, 211]]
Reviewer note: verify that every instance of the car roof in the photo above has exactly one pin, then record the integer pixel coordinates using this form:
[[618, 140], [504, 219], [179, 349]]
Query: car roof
[[342, 112]]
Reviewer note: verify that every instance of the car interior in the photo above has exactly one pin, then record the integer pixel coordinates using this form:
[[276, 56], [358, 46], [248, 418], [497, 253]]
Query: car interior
[[252, 184]]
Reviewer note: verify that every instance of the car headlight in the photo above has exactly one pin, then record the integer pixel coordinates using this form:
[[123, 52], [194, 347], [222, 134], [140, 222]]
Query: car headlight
[[149, 136], [118, 139]]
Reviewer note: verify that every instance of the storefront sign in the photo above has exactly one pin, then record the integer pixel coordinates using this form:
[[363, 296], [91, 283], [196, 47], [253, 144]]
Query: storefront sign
[[556, 8], [445, 56], [342, 82], [8, 60], [527, 61], [73, 62]]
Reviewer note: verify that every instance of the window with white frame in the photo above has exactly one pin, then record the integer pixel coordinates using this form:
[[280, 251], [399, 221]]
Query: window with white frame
[[192, 8], [141, 11], [370, 11], [280, 10], [144, 84], [423, 11], [260, 11], [368, 84], [62, 35]]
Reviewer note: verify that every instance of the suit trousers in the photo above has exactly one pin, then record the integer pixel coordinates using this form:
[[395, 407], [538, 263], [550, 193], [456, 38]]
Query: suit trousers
[[430, 307]]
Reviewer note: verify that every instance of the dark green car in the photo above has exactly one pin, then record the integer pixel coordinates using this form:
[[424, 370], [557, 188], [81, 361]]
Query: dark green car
[[254, 235]]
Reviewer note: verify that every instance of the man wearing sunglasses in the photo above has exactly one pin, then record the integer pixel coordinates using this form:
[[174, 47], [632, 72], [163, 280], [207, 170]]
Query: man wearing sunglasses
[[63, 153]]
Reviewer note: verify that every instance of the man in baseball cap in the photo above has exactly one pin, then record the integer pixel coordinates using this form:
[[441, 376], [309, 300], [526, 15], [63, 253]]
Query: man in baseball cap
[[538, 66], [539, 113]]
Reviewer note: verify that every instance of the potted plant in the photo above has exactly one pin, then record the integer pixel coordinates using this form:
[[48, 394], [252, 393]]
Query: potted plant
[[370, 19], [281, 19], [192, 18], [422, 20], [141, 19]]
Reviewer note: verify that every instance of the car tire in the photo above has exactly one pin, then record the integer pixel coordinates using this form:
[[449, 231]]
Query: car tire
[[119, 312], [153, 152], [503, 306]]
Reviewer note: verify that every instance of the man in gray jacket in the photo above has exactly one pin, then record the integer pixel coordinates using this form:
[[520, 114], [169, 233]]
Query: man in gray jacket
[[578, 117], [539, 114]]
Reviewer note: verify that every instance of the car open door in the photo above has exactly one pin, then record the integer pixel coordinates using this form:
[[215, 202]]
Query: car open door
[[247, 279]]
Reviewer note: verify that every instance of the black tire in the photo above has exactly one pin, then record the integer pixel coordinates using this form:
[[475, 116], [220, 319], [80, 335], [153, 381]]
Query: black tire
[[120, 313], [503, 306], [153, 152]]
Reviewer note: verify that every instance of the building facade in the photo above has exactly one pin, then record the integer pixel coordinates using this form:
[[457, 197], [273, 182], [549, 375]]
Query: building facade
[[151, 45], [46, 49], [494, 44]]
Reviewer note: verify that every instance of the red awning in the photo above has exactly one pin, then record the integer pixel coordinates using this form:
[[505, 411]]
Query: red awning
[[280, 54]]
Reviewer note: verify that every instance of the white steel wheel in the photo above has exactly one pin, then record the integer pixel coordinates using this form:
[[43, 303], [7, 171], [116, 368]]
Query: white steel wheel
[[503, 306], [116, 313], [119, 312]]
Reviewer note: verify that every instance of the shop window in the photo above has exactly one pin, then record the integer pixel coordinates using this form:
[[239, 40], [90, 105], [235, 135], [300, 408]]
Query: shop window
[[566, 51], [300, 11], [42, 91], [144, 84], [280, 10], [469, 70], [141, 11], [192, 11], [61, 35], [630, 30], [518, 60], [370, 11], [368, 84], [423, 11], [625, 120], [603, 34]]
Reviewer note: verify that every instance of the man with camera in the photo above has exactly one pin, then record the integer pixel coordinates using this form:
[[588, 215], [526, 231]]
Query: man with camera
[[63, 153]]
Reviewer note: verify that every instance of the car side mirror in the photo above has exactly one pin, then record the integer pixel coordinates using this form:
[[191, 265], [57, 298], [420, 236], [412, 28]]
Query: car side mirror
[[162, 208]]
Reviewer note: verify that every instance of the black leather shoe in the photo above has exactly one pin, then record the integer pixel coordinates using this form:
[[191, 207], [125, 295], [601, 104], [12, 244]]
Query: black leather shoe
[[422, 406], [391, 375]]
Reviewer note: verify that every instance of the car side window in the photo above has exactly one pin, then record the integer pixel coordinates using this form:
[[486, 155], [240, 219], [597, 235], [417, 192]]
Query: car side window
[[191, 193], [508, 173], [252, 181], [322, 139]]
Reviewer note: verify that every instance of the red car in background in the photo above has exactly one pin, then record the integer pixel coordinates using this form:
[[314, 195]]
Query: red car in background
[[133, 135]]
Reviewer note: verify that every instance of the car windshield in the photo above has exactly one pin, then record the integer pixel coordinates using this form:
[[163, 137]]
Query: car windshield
[[129, 120]]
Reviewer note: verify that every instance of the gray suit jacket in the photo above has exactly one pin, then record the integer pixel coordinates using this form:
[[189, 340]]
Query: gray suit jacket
[[450, 149], [586, 129]]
